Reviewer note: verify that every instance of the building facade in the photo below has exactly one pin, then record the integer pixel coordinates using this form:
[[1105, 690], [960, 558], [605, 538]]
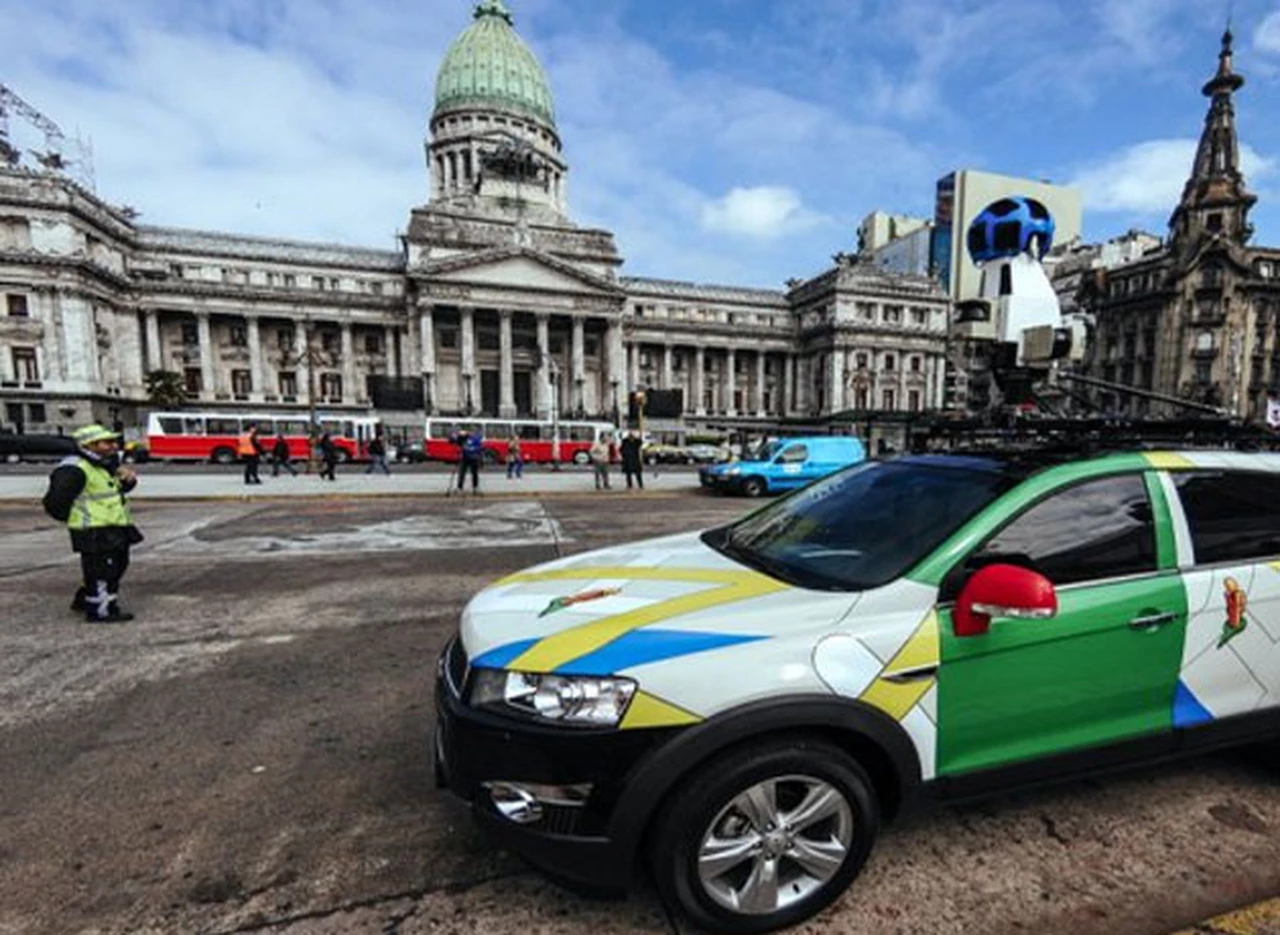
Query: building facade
[[497, 303], [1197, 318]]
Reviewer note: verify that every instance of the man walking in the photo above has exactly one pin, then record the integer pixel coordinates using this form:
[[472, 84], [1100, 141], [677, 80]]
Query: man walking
[[280, 456], [329, 457], [251, 451], [87, 492], [378, 455], [515, 458], [632, 461]]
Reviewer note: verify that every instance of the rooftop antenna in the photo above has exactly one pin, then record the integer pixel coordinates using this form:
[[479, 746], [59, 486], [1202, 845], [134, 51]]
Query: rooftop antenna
[[73, 158]]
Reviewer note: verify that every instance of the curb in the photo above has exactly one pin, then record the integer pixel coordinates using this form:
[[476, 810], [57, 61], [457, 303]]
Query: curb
[[371, 495]]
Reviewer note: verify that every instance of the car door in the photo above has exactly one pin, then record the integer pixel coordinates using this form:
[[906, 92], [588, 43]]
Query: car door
[[1230, 521], [790, 467], [1105, 667]]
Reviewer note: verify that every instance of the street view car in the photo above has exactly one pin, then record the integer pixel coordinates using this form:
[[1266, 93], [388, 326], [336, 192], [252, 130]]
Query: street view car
[[784, 465], [741, 709]]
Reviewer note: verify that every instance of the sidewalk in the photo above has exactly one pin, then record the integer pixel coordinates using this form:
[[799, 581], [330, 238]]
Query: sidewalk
[[229, 485]]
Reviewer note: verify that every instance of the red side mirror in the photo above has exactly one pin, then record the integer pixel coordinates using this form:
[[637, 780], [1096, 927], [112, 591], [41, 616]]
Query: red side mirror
[[1002, 591]]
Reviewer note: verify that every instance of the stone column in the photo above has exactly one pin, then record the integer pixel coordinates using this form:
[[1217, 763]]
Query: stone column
[[615, 356], [633, 366], [348, 364], [427, 357], [543, 389], [389, 345], [302, 351], [578, 365], [208, 383], [835, 380], [730, 383], [506, 368], [470, 390], [699, 381], [257, 382], [759, 392], [155, 352], [666, 366], [788, 402]]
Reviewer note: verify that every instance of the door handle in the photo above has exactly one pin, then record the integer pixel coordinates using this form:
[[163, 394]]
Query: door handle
[[1152, 621]]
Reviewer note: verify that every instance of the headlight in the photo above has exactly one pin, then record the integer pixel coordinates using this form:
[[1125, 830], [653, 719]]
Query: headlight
[[733, 471], [589, 701]]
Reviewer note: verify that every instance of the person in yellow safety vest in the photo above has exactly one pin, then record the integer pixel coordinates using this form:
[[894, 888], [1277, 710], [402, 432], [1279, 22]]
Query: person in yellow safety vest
[[250, 450], [87, 492]]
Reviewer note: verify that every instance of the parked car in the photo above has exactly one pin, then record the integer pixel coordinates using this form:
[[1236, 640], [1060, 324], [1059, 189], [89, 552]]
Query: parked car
[[708, 454], [784, 465], [656, 453], [411, 452], [16, 447], [742, 708]]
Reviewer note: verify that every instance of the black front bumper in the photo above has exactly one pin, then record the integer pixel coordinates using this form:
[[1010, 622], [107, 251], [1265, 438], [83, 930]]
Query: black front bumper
[[572, 843]]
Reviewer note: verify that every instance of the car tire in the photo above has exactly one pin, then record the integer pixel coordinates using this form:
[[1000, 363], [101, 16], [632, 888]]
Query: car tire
[[753, 487], [581, 458], [746, 809], [223, 456]]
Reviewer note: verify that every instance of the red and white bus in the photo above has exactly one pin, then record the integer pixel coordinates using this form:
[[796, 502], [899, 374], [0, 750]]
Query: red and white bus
[[214, 436], [536, 436]]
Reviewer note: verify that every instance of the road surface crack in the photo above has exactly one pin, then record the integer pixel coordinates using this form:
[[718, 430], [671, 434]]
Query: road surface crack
[[453, 888]]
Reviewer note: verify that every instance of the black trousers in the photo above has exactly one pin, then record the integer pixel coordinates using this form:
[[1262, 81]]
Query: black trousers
[[251, 469], [637, 472], [279, 463], [472, 465], [102, 573], [327, 470]]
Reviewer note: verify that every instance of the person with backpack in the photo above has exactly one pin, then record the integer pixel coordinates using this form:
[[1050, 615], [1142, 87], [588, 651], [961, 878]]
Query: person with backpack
[[87, 491], [280, 457], [378, 455]]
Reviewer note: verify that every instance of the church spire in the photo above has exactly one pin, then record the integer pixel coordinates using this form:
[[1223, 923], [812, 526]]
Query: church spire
[[1215, 202]]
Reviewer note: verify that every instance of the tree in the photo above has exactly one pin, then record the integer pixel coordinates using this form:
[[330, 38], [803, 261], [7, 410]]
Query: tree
[[165, 388]]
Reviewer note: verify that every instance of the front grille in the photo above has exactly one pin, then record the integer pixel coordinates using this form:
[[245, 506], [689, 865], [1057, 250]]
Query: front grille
[[455, 666], [560, 819]]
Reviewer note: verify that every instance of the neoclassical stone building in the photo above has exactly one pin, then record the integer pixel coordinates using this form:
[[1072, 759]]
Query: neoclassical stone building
[[1198, 317], [497, 302]]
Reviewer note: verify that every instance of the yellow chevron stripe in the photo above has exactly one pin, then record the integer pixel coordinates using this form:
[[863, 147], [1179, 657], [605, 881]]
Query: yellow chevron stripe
[[649, 711], [1275, 566], [922, 649], [1167, 460], [554, 651]]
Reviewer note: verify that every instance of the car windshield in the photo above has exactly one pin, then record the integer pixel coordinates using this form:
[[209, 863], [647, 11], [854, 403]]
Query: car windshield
[[763, 451], [860, 528]]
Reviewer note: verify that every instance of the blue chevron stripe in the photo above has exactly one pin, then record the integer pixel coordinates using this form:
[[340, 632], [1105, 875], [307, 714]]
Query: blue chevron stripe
[[1187, 709], [642, 646]]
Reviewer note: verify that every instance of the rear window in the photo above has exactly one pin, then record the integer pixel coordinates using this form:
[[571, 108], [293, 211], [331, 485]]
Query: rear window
[[170, 425], [1233, 516]]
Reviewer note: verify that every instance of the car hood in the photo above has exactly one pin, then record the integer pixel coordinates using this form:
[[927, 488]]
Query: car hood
[[607, 611]]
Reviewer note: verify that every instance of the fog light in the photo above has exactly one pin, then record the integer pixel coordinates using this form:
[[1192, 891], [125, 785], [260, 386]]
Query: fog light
[[522, 802], [514, 803]]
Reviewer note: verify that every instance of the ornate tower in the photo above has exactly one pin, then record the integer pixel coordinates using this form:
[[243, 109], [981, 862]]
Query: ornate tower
[[1215, 202], [493, 146]]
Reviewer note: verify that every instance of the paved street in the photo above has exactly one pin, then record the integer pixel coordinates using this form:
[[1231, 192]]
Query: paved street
[[251, 755]]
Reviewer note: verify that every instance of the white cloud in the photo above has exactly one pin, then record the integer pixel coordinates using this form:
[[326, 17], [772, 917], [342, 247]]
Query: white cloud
[[1147, 178], [763, 211], [1266, 38]]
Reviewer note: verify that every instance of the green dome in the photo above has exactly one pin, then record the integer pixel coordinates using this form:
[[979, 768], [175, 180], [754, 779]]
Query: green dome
[[490, 66]]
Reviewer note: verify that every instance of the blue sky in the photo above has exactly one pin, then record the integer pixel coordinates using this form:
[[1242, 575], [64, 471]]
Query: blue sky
[[728, 141]]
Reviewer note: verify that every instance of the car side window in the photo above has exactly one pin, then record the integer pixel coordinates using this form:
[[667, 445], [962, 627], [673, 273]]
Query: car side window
[[1233, 516], [1099, 529], [794, 455]]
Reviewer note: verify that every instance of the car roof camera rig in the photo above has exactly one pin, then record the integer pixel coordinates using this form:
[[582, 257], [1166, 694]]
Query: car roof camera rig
[[1016, 310]]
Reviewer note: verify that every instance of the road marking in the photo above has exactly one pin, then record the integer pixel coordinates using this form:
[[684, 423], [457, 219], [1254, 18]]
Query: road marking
[[1259, 919]]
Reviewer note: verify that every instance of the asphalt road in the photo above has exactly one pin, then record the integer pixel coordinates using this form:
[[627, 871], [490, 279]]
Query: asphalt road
[[252, 754]]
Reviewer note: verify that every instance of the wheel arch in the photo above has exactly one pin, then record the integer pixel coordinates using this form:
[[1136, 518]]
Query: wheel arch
[[876, 741]]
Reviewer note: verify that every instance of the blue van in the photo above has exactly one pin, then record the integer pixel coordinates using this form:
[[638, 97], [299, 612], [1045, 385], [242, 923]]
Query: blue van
[[784, 465]]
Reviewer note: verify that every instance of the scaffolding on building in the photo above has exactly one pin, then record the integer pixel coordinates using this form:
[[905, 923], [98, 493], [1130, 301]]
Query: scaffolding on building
[[60, 154]]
